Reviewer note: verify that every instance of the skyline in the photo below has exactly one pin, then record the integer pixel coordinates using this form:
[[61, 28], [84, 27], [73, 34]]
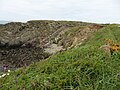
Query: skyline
[[98, 11]]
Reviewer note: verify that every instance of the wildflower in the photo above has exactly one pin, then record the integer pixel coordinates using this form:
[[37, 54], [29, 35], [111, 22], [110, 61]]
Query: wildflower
[[8, 70], [3, 75], [8, 73], [5, 67]]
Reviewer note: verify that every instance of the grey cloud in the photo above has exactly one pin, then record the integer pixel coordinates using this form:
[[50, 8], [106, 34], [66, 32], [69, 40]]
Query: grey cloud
[[85, 10]]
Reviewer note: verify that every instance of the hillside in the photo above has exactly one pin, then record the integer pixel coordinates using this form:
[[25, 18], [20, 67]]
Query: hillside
[[24, 43], [81, 65]]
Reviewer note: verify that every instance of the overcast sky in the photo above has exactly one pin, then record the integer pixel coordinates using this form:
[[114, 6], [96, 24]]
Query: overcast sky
[[101, 11]]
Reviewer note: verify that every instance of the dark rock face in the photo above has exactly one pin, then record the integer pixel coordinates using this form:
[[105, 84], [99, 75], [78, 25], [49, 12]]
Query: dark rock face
[[32, 32], [21, 56], [20, 43], [24, 43], [16, 34]]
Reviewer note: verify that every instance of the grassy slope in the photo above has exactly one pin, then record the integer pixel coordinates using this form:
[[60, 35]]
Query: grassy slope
[[83, 68]]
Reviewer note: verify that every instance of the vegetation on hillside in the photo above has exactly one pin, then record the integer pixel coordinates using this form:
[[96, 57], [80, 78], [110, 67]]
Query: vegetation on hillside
[[86, 67]]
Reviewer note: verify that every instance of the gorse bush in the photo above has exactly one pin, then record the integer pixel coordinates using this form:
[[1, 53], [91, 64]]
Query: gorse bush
[[86, 67], [112, 44]]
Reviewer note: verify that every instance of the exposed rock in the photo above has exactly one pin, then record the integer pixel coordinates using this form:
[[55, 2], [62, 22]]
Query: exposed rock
[[24, 43], [53, 48], [105, 48]]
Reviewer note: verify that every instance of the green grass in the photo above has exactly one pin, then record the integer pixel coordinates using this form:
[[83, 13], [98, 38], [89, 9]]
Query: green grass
[[83, 68]]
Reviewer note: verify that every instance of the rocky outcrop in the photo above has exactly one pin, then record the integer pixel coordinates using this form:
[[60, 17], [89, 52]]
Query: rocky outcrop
[[24, 43]]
